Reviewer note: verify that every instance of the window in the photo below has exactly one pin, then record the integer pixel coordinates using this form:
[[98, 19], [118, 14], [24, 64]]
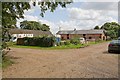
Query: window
[[84, 35], [62, 37], [67, 36], [90, 37]]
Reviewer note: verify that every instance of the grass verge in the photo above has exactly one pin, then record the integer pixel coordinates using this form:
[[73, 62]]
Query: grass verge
[[70, 46], [6, 62], [97, 42]]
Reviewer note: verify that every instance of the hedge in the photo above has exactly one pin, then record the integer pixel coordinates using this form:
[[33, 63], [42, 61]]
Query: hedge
[[37, 41]]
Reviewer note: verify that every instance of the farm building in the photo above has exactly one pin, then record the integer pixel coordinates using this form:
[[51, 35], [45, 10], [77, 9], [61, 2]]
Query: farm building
[[21, 33], [87, 34]]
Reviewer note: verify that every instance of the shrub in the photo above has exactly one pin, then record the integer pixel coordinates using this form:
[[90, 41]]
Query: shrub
[[98, 40], [39, 41], [4, 45], [75, 41], [67, 42], [20, 41], [26, 41], [62, 43]]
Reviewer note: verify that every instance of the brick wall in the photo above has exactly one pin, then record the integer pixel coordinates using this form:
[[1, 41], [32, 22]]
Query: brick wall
[[88, 36]]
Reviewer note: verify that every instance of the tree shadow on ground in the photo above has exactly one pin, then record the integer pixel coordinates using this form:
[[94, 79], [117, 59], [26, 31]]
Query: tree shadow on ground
[[114, 52], [13, 57]]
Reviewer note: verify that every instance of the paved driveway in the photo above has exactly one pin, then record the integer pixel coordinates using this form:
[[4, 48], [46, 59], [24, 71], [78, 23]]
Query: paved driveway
[[89, 62]]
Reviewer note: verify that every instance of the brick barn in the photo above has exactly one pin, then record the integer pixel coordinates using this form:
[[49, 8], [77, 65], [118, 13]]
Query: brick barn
[[87, 34]]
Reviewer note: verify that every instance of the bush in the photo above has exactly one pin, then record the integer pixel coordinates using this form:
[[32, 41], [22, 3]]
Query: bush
[[75, 41], [67, 42], [6, 61], [20, 41], [39, 41], [62, 43], [4, 45]]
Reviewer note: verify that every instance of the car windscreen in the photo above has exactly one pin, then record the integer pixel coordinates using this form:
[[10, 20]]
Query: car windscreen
[[116, 41]]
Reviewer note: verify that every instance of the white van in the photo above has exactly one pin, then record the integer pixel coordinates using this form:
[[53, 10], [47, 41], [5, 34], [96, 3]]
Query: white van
[[82, 40]]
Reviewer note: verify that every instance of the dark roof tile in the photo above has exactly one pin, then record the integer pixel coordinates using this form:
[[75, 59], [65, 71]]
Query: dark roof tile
[[34, 32], [81, 32]]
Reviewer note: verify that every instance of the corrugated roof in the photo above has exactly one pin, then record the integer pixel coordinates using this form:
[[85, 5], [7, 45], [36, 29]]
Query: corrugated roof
[[34, 32], [81, 32]]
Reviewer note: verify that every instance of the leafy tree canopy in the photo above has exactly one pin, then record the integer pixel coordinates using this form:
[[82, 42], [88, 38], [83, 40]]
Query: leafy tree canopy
[[96, 27], [11, 11], [112, 29], [33, 25]]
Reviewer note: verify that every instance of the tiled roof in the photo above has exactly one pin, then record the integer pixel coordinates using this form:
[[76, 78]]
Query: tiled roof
[[34, 32], [81, 32]]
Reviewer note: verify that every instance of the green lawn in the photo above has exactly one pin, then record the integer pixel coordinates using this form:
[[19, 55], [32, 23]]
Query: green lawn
[[90, 43], [71, 46], [6, 62]]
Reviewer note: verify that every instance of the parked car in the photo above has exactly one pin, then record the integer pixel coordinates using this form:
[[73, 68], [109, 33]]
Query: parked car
[[119, 38], [114, 45], [82, 40]]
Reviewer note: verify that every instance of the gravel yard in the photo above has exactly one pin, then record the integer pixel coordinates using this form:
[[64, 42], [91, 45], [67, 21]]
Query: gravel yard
[[88, 62]]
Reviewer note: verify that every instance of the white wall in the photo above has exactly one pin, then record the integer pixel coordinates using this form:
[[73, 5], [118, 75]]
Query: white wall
[[20, 36]]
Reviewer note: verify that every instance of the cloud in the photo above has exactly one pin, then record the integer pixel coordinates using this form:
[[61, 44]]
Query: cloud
[[53, 26], [31, 18], [28, 18], [90, 14], [100, 5], [71, 25], [80, 14], [30, 11], [86, 16], [95, 0], [67, 25]]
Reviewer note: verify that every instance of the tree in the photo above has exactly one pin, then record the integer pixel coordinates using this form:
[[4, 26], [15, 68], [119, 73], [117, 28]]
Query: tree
[[33, 25], [11, 11], [45, 27], [96, 27], [112, 29]]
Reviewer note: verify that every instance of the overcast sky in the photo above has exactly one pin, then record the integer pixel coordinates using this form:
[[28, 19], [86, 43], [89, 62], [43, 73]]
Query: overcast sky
[[79, 15]]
